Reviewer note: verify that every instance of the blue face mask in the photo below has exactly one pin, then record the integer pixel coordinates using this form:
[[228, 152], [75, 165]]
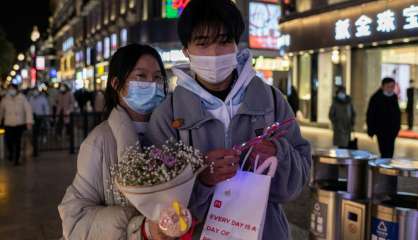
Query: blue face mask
[[144, 97]]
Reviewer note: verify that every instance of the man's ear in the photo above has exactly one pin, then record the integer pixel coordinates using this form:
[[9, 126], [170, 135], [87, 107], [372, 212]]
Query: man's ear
[[186, 52]]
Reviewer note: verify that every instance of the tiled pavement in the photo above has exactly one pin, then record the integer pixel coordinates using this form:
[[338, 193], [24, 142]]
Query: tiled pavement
[[30, 193]]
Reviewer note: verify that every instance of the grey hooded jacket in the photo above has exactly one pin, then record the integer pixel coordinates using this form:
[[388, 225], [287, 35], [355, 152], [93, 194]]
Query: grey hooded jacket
[[208, 133]]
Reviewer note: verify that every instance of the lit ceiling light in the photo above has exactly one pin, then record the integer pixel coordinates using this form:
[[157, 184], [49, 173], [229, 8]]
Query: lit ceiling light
[[21, 57], [9, 78], [406, 40], [360, 45], [16, 67], [13, 73], [321, 50], [390, 42]]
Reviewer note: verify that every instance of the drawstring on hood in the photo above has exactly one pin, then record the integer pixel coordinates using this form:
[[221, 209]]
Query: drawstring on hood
[[221, 110]]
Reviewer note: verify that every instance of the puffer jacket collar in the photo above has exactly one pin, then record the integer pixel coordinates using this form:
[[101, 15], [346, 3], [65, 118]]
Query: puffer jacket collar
[[123, 130]]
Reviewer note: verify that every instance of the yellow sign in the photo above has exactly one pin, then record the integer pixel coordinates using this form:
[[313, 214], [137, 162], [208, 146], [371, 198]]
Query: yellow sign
[[271, 64]]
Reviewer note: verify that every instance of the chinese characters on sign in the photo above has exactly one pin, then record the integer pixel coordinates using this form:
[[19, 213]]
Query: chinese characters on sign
[[363, 26], [385, 23], [342, 29], [411, 15]]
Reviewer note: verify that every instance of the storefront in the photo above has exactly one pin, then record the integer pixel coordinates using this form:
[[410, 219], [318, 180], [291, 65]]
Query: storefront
[[264, 41], [102, 63], [355, 47], [66, 73]]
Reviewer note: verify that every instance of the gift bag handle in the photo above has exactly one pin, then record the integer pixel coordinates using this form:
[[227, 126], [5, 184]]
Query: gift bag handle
[[270, 164]]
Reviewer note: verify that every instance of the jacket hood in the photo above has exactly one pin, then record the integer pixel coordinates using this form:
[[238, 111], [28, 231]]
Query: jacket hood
[[245, 74]]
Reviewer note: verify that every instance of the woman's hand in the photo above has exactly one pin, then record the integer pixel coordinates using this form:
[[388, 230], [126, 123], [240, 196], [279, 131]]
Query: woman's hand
[[223, 164], [156, 233]]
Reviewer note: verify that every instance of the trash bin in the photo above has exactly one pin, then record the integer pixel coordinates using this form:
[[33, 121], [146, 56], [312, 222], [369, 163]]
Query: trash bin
[[394, 215], [339, 181]]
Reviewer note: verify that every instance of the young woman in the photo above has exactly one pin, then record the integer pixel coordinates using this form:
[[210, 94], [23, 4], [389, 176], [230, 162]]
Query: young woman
[[92, 207]]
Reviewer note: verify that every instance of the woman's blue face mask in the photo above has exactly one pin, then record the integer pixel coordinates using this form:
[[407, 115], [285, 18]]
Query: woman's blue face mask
[[144, 97]]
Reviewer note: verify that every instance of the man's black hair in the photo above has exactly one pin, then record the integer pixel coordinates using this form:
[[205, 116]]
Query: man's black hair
[[387, 80], [221, 20]]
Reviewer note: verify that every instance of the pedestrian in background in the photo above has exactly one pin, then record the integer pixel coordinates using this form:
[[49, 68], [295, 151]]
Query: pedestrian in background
[[410, 93], [40, 108], [82, 96], [65, 106], [342, 117], [384, 117], [52, 94], [293, 99], [99, 101], [16, 116]]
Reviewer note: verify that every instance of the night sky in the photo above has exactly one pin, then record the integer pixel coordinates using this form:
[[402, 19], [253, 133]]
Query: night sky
[[17, 18]]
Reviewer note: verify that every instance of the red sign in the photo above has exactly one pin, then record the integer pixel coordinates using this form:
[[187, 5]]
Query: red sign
[[33, 76], [264, 25], [217, 204]]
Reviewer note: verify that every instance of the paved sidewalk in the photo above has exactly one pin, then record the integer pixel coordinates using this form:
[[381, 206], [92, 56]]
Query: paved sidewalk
[[31, 192]]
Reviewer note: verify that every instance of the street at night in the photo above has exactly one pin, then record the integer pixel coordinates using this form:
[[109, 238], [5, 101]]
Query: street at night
[[209, 120]]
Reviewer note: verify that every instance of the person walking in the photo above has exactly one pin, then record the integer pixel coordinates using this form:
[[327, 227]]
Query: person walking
[[65, 106], [410, 105], [16, 116], [342, 117], [384, 117], [40, 108]]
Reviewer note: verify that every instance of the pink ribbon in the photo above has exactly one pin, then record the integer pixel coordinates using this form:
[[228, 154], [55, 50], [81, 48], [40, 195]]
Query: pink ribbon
[[273, 131]]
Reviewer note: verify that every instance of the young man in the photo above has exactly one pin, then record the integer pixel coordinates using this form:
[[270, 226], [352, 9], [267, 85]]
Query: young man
[[219, 102], [384, 117]]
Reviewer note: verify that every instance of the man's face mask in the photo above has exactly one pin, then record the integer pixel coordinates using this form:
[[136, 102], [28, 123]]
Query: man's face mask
[[213, 69]]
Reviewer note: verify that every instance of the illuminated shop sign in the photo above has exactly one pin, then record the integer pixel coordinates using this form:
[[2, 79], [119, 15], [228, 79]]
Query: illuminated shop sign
[[114, 43], [375, 21], [264, 27], [173, 8], [68, 44], [384, 22], [270, 64], [173, 56], [40, 62], [106, 51], [123, 37]]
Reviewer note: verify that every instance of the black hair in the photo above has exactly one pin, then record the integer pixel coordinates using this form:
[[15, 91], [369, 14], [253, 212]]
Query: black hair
[[15, 86], [387, 80], [340, 89], [220, 19], [121, 65]]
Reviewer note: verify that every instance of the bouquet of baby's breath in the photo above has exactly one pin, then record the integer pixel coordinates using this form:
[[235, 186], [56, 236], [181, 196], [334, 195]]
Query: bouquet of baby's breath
[[151, 166], [158, 182]]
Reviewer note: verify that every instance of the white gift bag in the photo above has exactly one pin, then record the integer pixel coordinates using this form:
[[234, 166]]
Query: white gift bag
[[238, 207]]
